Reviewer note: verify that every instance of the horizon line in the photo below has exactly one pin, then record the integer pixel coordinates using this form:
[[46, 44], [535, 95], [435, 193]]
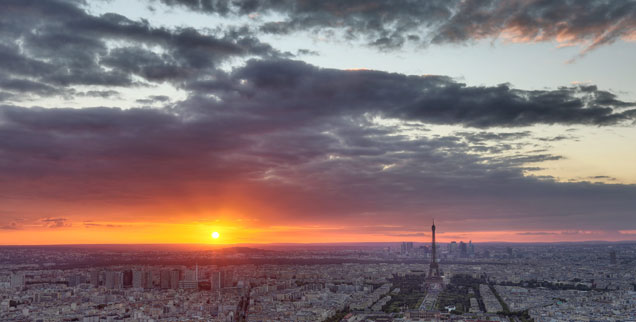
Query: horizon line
[[318, 244]]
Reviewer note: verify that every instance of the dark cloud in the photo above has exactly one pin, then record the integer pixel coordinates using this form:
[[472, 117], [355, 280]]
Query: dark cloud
[[411, 235], [26, 86], [48, 46], [482, 136], [301, 91], [277, 138], [303, 167], [306, 52], [90, 224], [390, 24], [102, 94], [55, 222], [536, 233], [154, 99]]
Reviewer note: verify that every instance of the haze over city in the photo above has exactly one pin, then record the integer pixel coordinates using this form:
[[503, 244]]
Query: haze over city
[[316, 122]]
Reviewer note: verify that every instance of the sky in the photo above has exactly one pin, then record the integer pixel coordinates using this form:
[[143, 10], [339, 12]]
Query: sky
[[292, 121]]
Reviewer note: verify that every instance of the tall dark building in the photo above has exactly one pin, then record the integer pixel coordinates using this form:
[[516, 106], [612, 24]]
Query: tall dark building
[[128, 278], [164, 280], [463, 250], [95, 278], [613, 257], [148, 280], [433, 269], [215, 282]]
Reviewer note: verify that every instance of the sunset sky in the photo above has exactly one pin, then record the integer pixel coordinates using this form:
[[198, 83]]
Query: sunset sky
[[282, 121]]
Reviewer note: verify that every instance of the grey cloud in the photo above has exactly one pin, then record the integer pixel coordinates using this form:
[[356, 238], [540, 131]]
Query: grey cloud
[[89, 224], [302, 91], [390, 24], [59, 44], [307, 52], [152, 99], [535, 233], [55, 222], [309, 170], [482, 136], [102, 94], [411, 235]]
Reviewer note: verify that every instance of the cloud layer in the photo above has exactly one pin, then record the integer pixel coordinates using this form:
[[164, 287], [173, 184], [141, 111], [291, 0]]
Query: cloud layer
[[47, 46], [287, 141], [391, 24], [283, 142]]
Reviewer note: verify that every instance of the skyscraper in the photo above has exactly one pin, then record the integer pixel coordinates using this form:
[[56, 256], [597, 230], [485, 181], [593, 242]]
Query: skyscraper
[[452, 247], [127, 277], [215, 282], [463, 250], [148, 280], [164, 279], [113, 280], [138, 279], [95, 278], [175, 276]]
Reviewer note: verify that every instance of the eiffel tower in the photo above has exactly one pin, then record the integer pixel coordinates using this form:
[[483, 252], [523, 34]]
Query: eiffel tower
[[433, 269]]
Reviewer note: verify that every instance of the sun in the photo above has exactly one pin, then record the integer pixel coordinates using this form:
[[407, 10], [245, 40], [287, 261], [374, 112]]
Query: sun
[[215, 235]]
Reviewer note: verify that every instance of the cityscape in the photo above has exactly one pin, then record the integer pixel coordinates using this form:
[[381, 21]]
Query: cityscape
[[383, 282], [317, 160]]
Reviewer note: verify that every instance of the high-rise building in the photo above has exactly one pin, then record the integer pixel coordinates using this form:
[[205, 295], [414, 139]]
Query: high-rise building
[[613, 257], [409, 247], [471, 248], [452, 247], [175, 277], [138, 279], [113, 280], [148, 280], [164, 280], [215, 282], [190, 279], [127, 278], [109, 279], [95, 278], [463, 250], [227, 278]]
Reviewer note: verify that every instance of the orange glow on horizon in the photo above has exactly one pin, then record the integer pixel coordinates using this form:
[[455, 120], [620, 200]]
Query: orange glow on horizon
[[233, 232]]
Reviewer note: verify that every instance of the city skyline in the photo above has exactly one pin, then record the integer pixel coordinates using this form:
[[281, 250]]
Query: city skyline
[[165, 121]]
